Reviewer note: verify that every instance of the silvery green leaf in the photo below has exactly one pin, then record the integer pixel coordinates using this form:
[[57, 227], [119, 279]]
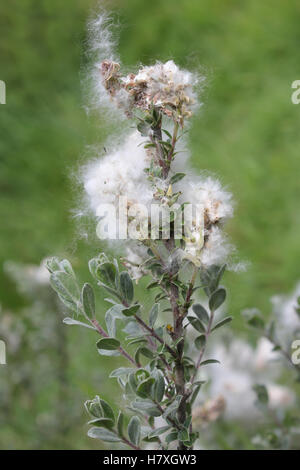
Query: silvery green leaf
[[209, 361], [111, 301], [121, 371], [70, 305], [132, 382], [109, 289], [144, 388], [106, 352], [141, 374], [183, 435], [134, 430], [110, 321], [177, 177], [129, 312], [159, 331], [158, 431], [72, 321], [107, 410], [196, 323], [132, 329], [222, 322], [109, 344], [196, 391], [66, 286], [126, 286], [113, 314], [172, 407], [171, 437], [145, 352], [53, 264], [201, 313], [102, 423], [106, 273], [88, 300], [153, 315], [217, 298], [140, 339], [108, 348], [159, 386], [120, 424], [200, 341], [211, 277], [146, 406], [94, 407], [67, 267], [103, 434], [93, 265]]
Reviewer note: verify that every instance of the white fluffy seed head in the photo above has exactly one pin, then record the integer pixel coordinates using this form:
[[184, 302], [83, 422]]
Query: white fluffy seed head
[[216, 249], [208, 192], [101, 46], [120, 173], [133, 260], [241, 368], [212, 247], [165, 86]]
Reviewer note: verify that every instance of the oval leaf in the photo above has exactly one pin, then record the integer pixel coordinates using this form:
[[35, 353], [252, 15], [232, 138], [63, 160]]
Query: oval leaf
[[88, 300], [159, 386], [144, 388], [120, 424], [222, 322], [197, 324], [71, 321], [121, 372], [106, 273], [66, 286], [153, 315], [109, 344], [201, 312], [103, 434], [107, 410], [209, 361], [126, 286], [128, 312], [217, 298], [134, 430], [200, 341]]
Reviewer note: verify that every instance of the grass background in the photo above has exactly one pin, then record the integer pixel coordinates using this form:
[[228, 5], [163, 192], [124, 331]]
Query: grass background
[[247, 133]]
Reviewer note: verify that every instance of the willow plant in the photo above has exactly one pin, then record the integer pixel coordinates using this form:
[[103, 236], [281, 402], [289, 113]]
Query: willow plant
[[162, 348]]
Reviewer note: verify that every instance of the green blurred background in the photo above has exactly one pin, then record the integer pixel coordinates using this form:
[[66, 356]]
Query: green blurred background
[[247, 133]]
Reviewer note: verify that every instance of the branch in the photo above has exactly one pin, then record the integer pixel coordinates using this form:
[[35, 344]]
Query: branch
[[130, 444], [155, 335], [103, 333]]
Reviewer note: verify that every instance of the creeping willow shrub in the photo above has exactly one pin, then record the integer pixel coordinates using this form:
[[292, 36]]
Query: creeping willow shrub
[[165, 346]]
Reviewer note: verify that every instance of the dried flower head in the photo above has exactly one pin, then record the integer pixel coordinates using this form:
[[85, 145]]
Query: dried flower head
[[163, 86]]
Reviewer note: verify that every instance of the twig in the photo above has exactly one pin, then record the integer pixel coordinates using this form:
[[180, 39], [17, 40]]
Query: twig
[[130, 444], [155, 335], [103, 333]]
